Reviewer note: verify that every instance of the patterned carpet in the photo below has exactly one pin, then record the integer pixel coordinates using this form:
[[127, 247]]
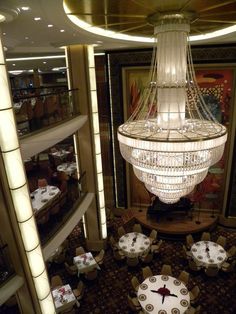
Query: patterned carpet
[[108, 293]]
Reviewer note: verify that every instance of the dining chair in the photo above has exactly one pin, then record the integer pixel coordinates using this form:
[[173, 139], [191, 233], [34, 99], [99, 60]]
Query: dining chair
[[221, 241], [132, 261], [206, 236], [133, 303], [166, 270], [118, 255], [189, 241], [100, 257], [137, 228], [71, 269], [135, 283], [153, 236], [147, 272], [42, 183], [79, 291], [193, 266], [113, 242], [212, 270], [194, 294], [184, 277], [79, 251], [56, 281], [187, 254], [91, 275], [231, 253], [228, 267], [147, 258], [155, 248], [121, 231]]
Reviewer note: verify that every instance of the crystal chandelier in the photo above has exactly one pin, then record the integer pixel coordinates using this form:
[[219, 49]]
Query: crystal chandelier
[[171, 138]]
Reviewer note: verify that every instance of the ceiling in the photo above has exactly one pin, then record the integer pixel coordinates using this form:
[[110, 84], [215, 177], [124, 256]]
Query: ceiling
[[23, 36]]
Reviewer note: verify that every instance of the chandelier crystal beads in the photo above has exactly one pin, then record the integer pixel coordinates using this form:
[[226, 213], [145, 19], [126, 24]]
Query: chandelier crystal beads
[[171, 138]]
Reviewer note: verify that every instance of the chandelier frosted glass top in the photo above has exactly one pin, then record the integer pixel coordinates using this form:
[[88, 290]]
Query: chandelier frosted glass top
[[171, 139]]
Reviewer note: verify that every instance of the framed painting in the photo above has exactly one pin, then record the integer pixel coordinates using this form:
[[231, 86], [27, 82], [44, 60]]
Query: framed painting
[[216, 85]]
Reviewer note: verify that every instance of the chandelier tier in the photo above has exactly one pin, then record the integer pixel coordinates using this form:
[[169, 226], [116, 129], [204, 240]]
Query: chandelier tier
[[171, 138]]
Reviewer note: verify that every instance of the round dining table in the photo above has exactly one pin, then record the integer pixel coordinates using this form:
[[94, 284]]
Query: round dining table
[[134, 244], [67, 167], [163, 294], [206, 253]]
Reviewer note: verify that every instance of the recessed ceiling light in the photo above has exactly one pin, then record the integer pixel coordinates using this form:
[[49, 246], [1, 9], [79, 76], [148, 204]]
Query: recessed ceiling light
[[14, 64], [26, 37], [62, 30], [4, 34], [50, 25], [25, 8], [37, 18], [5, 48], [99, 42], [44, 62]]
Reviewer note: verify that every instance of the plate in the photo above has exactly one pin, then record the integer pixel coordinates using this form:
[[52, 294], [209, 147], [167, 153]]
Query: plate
[[51, 193], [44, 200]]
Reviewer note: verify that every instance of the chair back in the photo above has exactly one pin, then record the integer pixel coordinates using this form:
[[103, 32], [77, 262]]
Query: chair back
[[189, 240], [166, 270], [147, 258], [184, 277], [99, 258], [221, 241], [153, 235], [121, 231], [79, 251], [212, 270], [137, 228], [206, 236], [232, 251], [56, 281], [132, 261], [42, 183], [135, 283], [192, 265], [147, 272], [117, 255]]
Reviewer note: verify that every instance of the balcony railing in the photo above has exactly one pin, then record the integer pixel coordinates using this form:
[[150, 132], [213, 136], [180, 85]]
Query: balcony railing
[[67, 201], [42, 111], [6, 267]]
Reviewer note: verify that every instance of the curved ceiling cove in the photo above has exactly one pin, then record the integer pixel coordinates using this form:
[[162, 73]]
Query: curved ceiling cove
[[130, 19]]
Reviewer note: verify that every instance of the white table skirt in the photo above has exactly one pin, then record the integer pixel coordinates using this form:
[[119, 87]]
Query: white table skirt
[[67, 167], [151, 302], [208, 252], [135, 248], [63, 298], [85, 262], [41, 200]]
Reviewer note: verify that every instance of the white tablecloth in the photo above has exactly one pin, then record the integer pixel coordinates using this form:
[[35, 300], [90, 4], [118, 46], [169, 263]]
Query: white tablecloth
[[67, 167], [134, 244], [61, 153], [63, 298], [208, 252], [151, 302], [42, 196], [85, 262]]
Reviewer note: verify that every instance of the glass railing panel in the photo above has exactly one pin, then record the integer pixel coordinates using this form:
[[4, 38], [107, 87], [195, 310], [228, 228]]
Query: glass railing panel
[[6, 267], [56, 213], [37, 112]]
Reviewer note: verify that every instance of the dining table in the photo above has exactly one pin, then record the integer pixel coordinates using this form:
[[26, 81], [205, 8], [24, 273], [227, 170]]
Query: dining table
[[85, 263], [41, 197], [134, 244], [206, 253], [67, 167], [162, 294], [63, 298]]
